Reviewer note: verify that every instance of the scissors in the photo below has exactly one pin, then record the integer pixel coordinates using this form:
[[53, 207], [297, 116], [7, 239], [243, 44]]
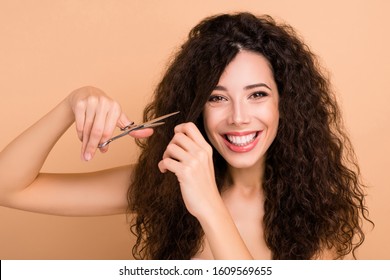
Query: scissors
[[131, 127]]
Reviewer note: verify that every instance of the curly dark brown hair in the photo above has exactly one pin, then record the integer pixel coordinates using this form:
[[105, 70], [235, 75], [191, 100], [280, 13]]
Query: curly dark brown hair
[[314, 199]]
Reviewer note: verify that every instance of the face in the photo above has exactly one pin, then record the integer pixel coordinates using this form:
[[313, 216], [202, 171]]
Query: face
[[241, 116]]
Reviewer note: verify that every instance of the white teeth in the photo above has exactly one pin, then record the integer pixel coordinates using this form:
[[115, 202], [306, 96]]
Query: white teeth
[[241, 140]]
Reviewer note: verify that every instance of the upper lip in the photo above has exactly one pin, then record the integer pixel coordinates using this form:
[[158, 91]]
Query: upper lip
[[241, 133]]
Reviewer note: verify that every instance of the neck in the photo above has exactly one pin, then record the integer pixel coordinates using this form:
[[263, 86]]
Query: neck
[[249, 179]]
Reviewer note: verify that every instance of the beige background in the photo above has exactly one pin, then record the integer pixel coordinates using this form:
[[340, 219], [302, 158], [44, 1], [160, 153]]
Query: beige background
[[49, 48]]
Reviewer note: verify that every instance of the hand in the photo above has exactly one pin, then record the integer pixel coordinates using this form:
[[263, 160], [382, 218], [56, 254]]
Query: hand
[[96, 116], [189, 156]]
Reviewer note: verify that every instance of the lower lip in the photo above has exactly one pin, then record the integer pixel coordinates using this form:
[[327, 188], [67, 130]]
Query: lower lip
[[242, 149]]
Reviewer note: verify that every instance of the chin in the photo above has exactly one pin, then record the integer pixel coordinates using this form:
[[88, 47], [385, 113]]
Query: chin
[[243, 163]]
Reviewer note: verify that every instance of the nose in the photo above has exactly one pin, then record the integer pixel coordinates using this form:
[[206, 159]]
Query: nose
[[239, 113]]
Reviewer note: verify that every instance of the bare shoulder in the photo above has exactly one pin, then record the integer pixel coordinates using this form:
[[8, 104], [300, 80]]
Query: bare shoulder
[[81, 194]]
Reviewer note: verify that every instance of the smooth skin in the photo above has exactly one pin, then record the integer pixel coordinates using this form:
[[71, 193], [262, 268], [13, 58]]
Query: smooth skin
[[244, 102], [22, 186]]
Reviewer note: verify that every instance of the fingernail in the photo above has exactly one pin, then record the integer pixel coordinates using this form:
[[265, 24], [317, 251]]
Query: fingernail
[[87, 156]]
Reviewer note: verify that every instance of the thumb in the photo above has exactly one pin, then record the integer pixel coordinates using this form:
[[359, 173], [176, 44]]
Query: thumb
[[123, 121], [142, 133]]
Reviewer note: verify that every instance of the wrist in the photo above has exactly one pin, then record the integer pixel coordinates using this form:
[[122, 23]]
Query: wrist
[[213, 213], [66, 108]]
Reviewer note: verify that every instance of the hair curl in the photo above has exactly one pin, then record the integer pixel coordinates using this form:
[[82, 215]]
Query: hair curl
[[314, 199]]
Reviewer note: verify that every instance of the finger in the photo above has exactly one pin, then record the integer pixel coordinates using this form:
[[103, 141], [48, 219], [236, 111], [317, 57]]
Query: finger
[[191, 139], [87, 128], [123, 121], [96, 133], [80, 119], [175, 152], [185, 142], [142, 133], [169, 164], [110, 123], [192, 132]]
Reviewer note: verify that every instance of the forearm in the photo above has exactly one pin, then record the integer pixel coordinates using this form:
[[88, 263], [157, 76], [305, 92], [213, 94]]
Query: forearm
[[23, 158], [223, 236]]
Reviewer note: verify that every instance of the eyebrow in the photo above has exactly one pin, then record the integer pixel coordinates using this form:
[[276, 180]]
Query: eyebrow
[[219, 87]]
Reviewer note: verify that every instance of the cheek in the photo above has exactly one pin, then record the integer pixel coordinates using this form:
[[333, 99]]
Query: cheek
[[274, 123], [210, 123], [209, 127], [270, 116], [272, 112], [206, 123], [274, 117]]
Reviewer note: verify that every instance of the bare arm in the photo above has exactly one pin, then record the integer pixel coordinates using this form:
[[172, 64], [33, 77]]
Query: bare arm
[[22, 159], [84, 194], [22, 185]]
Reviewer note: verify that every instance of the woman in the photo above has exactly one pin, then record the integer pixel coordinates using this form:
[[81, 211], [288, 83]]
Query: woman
[[256, 165]]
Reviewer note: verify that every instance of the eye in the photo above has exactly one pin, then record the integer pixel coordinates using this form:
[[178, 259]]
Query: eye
[[258, 94], [216, 98]]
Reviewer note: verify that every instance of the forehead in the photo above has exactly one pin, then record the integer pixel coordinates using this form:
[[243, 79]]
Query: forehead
[[248, 67]]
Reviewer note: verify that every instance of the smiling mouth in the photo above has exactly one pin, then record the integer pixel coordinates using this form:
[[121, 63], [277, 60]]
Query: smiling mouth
[[241, 140]]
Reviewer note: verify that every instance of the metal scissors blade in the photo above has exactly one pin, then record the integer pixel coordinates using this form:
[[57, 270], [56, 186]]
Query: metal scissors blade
[[149, 124]]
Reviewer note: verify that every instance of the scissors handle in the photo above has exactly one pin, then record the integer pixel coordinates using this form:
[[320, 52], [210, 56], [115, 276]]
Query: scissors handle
[[114, 138], [152, 123]]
